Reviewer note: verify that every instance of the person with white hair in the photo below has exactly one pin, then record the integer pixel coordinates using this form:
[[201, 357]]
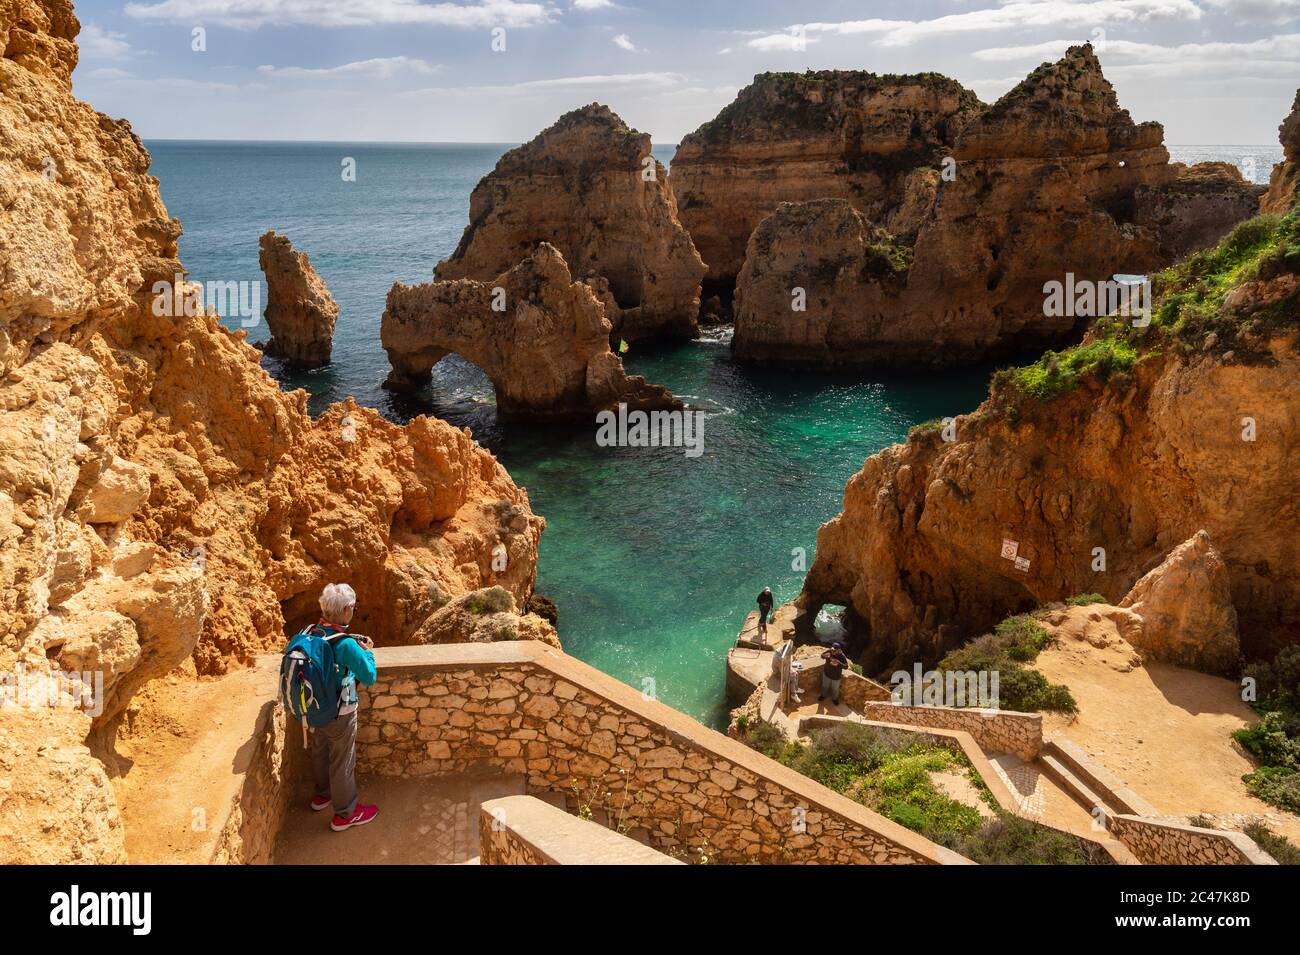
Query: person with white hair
[[334, 746]]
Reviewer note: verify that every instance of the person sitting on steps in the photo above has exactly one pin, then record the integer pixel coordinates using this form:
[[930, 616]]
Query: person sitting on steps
[[764, 611], [334, 746], [833, 671]]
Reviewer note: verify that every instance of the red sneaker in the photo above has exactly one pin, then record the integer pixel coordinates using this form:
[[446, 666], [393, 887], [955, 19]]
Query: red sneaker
[[320, 802], [360, 816]]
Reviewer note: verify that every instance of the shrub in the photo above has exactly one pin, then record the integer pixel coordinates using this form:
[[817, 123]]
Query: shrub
[[1015, 641], [766, 738], [1270, 743], [1083, 600], [1276, 785], [1010, 840], [1279, 847], [1278, 682]]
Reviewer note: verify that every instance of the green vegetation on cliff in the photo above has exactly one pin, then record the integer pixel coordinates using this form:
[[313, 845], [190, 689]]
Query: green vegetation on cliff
[[1193, 309]]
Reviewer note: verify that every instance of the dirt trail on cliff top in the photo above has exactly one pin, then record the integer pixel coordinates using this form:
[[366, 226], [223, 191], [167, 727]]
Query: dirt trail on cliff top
[[1163, 730]]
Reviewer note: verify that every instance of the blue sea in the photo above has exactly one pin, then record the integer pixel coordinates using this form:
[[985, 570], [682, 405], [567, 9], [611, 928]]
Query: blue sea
[[653, 558]]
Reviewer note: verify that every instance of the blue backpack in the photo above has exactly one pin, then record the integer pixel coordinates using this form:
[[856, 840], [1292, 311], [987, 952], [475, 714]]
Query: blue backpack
[[310, 680]]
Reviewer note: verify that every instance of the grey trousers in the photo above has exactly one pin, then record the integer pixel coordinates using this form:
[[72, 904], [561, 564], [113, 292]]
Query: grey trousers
[[334, 762]]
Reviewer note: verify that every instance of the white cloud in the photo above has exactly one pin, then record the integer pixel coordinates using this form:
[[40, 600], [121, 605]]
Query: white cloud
[[379, 68], [1012, 15], [96, 43], [110, 73], [586, 5], [1258, 11], [781, 41], [251, 14], [645, 80], [1271, 56], [624, 42]]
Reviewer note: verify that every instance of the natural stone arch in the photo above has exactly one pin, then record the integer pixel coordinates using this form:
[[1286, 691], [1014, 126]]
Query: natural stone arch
[[541, 338]]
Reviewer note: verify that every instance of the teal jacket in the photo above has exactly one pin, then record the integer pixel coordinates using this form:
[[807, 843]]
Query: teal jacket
[[357, 663]]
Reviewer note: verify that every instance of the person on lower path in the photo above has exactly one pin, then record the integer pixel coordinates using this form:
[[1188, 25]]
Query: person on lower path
[[764, 611], [834, 662], [334, 746]]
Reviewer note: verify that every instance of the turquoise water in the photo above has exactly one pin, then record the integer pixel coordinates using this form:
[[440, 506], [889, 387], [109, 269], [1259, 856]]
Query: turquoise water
[[652, 557]]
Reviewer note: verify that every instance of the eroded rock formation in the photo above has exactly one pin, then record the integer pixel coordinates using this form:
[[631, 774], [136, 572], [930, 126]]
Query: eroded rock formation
[[484, 616], [791, 137], [300, 310], [160, 497], [589, 186], [1186, 610], [1052, 181], [541, 338], [1285, 179], [1197, 207], [1077, 478]]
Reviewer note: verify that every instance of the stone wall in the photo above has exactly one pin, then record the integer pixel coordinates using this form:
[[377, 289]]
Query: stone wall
[[275, 772], [522, 707], [523, 830], [1167, 843], [996, 731], [855, 690]]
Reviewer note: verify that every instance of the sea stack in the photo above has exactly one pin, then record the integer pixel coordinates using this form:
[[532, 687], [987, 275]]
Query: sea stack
[[792, 137], [1041, 187], [589, 186], [300, 310], [541, 338]]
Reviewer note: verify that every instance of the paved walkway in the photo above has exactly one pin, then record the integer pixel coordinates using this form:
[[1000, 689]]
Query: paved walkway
[[430, 821]]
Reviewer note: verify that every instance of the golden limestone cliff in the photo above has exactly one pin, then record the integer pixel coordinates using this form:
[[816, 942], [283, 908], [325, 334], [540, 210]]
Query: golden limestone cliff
[[161, 500], [1085, 471], [590, 187], [941, 258]]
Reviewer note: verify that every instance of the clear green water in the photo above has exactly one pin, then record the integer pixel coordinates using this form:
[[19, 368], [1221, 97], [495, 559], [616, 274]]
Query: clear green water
[[652, 557]]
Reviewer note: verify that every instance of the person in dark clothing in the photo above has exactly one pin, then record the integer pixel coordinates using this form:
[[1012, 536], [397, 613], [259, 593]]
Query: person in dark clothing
[[834, 662], [764, 611]]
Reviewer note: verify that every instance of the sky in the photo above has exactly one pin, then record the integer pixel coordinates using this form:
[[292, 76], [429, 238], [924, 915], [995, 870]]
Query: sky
[[499, 71]]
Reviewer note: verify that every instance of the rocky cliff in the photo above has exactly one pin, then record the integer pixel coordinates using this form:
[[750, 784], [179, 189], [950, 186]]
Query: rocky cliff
[[300, 311], [541, 338], [1284, 182], [589, 186], [160, 497], [1051, 182], [791, 137], [1082, 472]]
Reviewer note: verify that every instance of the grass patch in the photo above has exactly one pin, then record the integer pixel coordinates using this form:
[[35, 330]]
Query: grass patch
[[890, 773], [1058, 372], [1083, 600], [1014, 642]]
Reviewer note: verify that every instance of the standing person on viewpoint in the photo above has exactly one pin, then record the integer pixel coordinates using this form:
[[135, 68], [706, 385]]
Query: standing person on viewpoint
[[832, 671], [334, 745], [764, 611]]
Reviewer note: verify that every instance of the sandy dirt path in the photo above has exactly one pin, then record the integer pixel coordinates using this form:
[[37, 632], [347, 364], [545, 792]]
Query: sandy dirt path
[[1164, 731]]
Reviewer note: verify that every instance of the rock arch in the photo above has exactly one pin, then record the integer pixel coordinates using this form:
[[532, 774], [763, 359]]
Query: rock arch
[[541, 338]]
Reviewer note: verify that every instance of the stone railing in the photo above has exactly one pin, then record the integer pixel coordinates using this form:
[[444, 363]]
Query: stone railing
[[1168, 843], [996, 731], [522, 707], [523, 830], [273, 770]]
